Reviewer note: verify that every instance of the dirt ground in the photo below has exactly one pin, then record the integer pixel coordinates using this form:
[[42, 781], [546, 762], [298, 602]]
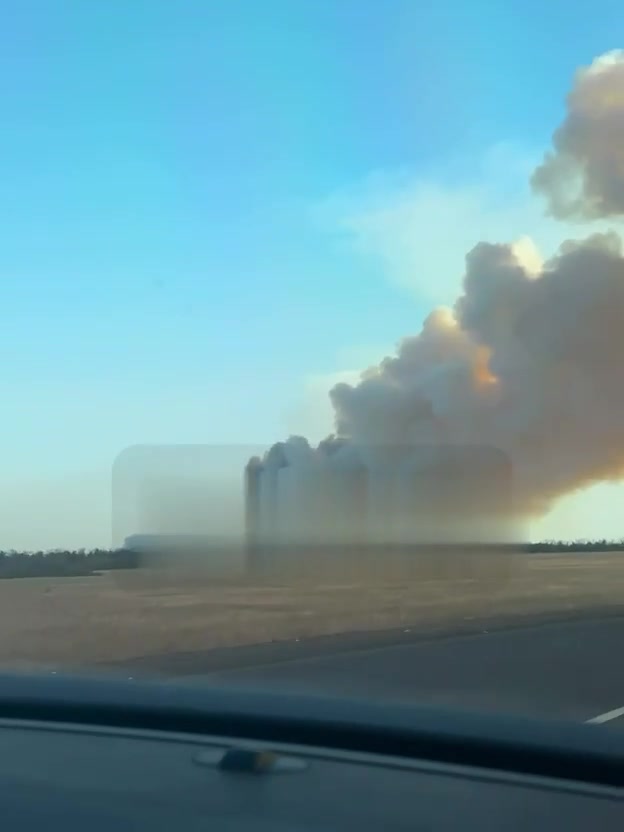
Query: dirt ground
[[81, 622]]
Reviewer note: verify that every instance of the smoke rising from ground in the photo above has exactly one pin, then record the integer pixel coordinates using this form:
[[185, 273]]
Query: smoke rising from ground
[[528, 360], [583, 177]]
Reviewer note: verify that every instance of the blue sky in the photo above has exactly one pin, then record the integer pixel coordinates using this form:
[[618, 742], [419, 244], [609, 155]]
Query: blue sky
[[170, 270]]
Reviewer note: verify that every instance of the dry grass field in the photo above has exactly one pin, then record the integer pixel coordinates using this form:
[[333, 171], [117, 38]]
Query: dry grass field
[[82, 622]]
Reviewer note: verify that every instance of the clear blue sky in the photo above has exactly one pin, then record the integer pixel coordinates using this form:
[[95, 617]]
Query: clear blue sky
[[163, 274]]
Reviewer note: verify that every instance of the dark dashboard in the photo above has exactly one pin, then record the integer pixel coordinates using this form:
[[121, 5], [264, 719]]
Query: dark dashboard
[[125, 755]]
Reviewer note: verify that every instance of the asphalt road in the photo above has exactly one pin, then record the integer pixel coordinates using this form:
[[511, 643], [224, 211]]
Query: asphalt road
[[568, 669]]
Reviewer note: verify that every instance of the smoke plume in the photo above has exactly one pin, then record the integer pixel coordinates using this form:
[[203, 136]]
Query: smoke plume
[[529, 359], [583, 177]]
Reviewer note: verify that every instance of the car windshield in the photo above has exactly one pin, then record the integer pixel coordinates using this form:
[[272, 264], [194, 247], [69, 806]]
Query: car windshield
[[312, 319]]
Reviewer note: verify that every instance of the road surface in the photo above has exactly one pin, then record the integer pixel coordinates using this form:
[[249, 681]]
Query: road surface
[[567, 669]]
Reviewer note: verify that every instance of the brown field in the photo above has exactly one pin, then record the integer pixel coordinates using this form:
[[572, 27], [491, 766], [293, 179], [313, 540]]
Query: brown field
[[83, 622]]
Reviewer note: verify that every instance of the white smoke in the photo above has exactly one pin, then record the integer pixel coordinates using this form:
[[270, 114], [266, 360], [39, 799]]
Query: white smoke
[[584, 176], [528, 361]]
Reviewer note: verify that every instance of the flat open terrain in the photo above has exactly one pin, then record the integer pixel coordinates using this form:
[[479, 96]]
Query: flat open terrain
[[83, 622]]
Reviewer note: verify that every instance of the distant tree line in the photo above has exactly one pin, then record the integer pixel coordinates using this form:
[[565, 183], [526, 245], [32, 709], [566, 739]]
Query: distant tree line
[[81, 562], [576, 546], [64, 562]]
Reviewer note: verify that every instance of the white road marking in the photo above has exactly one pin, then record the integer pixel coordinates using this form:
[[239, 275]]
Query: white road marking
[[616, 713]]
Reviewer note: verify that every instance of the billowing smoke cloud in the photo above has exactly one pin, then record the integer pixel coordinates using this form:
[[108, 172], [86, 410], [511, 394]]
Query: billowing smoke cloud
[[583, 177], [529, 360]]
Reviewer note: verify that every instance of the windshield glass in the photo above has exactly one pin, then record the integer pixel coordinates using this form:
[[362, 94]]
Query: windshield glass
[[313, 329]]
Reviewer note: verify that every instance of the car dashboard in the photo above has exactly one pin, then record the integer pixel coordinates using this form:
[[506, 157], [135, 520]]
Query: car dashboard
[[85, 754]]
